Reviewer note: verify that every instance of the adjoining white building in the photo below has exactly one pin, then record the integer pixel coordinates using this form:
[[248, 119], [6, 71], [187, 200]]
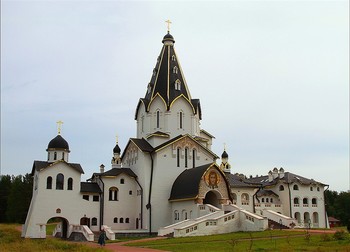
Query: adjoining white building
[[167, 180]]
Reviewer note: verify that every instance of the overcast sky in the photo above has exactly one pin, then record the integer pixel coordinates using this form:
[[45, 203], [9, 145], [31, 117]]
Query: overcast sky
[[272, 77]]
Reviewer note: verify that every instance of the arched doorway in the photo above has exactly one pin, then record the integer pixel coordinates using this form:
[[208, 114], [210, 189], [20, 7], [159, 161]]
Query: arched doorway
[[57, 227], [212, 198], [85, 221]]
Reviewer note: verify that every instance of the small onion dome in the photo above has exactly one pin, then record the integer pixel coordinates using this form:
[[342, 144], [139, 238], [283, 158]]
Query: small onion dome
[[224, 155], [116, 149], [168, 37], [58, 143]]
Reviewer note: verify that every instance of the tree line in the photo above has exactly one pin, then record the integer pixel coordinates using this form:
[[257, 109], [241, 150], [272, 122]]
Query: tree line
[[16, 194]]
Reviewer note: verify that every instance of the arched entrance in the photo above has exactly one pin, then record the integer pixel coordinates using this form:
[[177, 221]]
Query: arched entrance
[[212, 198], [57, 227], [85, 221]]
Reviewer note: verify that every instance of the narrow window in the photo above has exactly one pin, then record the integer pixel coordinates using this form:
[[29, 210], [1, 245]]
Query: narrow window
[[122, 181], [314, 201], [194, 158], [178, 85], [175, 70], [70, 184], [318, 189], [142, 123], [180, 119], [173, 58], [113, 194], [62, 155], [296, 200], [267, 200], [49, 183], [115, 220], [59, 181], [178, 157], [94, 221], [55, 155], [295, 188], [158, 118], [281, 188], [95, 198], [48, 156], [121, 220], [305, 201], [263, 200], [126, 220], [130, 192], [271, 200], [311, 188], [186, 154]]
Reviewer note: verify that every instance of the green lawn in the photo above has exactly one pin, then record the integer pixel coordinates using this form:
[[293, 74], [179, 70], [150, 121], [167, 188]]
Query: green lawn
[[252, 241]]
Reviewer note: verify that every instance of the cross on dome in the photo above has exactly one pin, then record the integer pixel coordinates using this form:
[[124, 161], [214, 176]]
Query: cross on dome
[[168, 24], [59, 125]]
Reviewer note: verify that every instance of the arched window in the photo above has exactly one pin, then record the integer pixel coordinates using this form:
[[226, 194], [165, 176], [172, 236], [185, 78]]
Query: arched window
[[173, 58], [126, 220], [115, 220], [55, 155], [245, 199], [314, 201], [271, 200], [267, 200], [281, 188], [176, 215], [178, 85], [113, 194], [186, 156], [62, 155], [94, 221], [121, 220], [175, 70], [296, 201], [295, 187], [122, 181], [234, 197], [49, 182], [158, 119], [297, 217], [48, 156], [70, 184], [263, 200], [178, 157], [311, 188], [194, 158], [315, 218], [305, 201], [59, 181]]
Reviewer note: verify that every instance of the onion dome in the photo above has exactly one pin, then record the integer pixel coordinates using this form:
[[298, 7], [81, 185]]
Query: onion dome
[[58, 143], [224, 154], [168, 37], [116, 149]]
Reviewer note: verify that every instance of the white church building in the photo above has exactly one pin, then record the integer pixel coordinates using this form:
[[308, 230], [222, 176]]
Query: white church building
[[167, 180]]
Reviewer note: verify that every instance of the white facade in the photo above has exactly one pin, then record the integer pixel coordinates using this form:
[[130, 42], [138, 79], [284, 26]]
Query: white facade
[[166, 179]]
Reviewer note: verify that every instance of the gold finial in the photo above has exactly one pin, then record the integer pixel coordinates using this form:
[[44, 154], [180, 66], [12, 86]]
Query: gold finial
[[168, 24], [59, 124], [224, 146], [116, 139]]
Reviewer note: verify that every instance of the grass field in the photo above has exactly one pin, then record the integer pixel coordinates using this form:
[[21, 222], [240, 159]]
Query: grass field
[[254, 241], [275, 240]]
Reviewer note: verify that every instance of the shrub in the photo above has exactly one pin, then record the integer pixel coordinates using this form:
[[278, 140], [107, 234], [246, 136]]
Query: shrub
[[325, 237], [340, 235]]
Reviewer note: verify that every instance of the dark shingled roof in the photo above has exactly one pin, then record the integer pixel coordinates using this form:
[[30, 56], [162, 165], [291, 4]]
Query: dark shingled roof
[[58, 143], [117, 171], [238, 181], [141, 143], [287, 178], [116, 149], [163, 80], [266, 193], [186, 185], [89, 187], [38, 165]]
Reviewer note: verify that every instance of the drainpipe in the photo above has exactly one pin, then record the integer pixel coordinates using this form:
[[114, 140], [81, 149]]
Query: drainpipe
[[102, 202], [325, 212], [141, 201], [149, 206], [290, 203]]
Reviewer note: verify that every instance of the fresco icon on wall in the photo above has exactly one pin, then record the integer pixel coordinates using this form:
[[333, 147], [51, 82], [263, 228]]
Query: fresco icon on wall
[[212, 179]]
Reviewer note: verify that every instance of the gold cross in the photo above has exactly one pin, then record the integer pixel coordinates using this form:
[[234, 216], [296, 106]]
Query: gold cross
[[59, 124], [168, 22]]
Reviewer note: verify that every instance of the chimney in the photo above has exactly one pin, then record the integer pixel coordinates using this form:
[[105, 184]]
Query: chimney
[[270, 176], [281, 173], [275, 173], [102, 168]]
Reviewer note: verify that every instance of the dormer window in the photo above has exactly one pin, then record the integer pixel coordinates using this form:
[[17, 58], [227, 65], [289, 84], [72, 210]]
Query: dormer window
[[175, 69], [173, 58], [177, 84]]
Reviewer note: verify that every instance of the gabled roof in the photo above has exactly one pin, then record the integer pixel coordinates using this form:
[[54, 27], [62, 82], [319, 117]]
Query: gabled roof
[[114, 172], [89, 187], [39, 165], [141, 143], [166, 73], [186, 185], [158, 134]]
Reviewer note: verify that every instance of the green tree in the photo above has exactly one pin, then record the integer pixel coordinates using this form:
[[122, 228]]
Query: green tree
[[5, 187]]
